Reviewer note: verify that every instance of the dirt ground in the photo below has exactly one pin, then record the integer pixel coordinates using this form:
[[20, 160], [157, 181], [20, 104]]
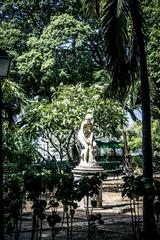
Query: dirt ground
[[115, 213]]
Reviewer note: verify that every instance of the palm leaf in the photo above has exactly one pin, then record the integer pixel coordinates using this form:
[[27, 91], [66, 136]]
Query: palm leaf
[[133, 58], [114, 24], [91, 8]]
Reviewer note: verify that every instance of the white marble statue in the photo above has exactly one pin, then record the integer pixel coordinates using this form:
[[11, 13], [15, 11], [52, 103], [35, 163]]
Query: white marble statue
[[86, 138]]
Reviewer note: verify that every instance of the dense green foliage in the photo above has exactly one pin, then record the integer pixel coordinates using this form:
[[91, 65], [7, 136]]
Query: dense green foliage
[[60, 54], [49, 43], [134, 136]]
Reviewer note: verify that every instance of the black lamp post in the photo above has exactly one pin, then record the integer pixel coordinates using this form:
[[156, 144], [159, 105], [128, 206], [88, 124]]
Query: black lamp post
[[4, 68]]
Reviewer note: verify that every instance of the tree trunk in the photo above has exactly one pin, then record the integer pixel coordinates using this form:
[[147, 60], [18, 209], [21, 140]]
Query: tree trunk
[[126, 161], [148, 211], [149, 228]]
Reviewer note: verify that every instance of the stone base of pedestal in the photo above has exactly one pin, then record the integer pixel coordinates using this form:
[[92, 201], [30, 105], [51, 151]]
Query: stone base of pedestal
[[89, 171], [88, 168]]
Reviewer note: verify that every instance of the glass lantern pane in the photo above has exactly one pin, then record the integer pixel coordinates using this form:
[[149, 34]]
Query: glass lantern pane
[[4, 67]]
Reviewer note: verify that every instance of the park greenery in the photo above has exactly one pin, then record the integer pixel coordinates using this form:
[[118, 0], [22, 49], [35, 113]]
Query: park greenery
[[69, 58]]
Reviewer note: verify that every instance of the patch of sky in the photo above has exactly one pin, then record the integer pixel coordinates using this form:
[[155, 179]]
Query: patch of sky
[[138, 114], [67, 45]]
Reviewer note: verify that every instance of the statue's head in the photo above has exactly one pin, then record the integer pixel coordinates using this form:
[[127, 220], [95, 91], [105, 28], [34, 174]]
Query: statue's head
[[89, 118]]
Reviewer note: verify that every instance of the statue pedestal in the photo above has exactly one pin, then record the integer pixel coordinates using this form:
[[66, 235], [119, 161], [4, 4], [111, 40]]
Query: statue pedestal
[[89, 170]]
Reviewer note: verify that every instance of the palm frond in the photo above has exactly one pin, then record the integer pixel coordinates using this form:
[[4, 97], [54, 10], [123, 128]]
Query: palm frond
[[133, 58], [91, 8], [114, 24]]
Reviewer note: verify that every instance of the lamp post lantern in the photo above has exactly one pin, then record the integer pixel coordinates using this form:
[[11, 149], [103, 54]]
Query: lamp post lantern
[[5, 61], [4, 64]]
